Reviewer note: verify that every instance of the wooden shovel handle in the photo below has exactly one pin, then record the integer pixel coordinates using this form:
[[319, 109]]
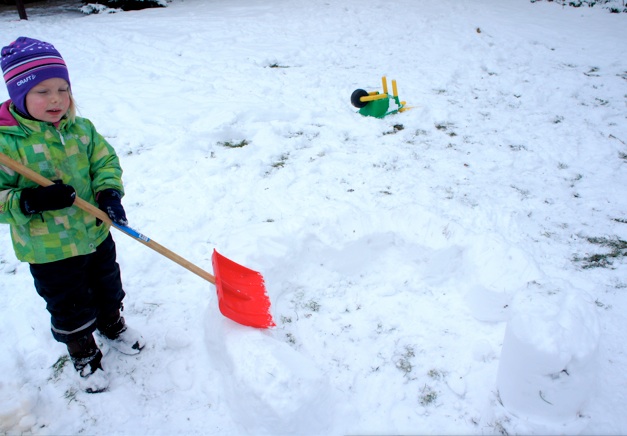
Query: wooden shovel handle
[[93, 210]]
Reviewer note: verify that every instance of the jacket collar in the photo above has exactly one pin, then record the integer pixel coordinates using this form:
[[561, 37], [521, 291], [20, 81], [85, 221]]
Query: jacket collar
[[10, 118], [6, 117]]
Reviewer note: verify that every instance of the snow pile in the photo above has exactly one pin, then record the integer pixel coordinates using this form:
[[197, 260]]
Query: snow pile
[[271, 388], [16, 410], [548, 365]]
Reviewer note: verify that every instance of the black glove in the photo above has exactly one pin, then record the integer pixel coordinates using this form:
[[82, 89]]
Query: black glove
[[53, 197], [110, 201]]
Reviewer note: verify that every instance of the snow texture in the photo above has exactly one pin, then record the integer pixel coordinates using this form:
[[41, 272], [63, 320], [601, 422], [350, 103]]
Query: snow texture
[[453, 269]]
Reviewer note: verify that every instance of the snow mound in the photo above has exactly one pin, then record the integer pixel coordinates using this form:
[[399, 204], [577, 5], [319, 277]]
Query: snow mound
[[548, 364], [16, 405], [271, 388]]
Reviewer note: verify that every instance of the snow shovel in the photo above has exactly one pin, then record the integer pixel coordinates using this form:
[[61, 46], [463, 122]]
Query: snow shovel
[[242, 294]]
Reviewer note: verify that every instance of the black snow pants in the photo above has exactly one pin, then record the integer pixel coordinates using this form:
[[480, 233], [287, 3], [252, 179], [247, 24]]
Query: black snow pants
[[80, 291]]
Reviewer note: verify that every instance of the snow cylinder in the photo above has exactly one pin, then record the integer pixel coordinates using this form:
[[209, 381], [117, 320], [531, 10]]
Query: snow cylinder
[[548, 366]]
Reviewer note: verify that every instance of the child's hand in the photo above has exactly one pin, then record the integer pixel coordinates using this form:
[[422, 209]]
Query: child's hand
[[53, 197], [110, 201]]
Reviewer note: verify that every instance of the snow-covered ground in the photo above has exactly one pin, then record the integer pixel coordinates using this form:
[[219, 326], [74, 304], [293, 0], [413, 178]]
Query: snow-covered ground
[[430, 272]]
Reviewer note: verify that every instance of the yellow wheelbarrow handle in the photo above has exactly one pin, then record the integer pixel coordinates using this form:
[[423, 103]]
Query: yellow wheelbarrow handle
[[373, 97]]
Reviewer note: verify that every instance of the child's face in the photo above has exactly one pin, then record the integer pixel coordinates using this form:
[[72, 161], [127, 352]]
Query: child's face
[[49, 100]]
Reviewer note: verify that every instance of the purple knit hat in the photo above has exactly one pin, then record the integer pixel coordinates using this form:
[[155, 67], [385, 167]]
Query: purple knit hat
[[27, 62]]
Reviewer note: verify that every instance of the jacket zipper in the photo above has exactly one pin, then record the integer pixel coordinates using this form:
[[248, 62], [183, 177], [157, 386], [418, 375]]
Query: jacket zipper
[[61, 137]]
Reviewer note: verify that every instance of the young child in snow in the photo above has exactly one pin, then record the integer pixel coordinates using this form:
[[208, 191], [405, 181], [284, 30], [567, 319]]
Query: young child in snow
[[72, 256]]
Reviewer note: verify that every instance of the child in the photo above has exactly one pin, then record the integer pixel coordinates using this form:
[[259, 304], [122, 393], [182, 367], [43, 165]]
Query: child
[[72, 256]]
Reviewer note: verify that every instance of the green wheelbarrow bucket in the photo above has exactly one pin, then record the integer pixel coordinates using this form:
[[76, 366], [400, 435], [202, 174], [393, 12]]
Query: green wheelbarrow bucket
[[373, 104]]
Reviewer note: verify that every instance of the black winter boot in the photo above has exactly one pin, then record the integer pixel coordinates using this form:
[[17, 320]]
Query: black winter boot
[[120, 336], [87, 357]]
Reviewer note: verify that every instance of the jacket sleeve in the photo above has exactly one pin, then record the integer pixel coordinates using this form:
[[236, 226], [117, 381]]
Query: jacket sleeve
[[105, 169], [10, 211]]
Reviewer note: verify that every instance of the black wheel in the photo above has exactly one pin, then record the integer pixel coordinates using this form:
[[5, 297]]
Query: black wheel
[[355, 98]]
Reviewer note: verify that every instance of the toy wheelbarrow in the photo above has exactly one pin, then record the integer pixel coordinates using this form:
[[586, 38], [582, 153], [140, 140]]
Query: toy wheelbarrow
[[373, 104], [241, 291]]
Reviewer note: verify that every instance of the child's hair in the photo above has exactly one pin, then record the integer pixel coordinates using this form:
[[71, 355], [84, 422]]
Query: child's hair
[[71, 112]]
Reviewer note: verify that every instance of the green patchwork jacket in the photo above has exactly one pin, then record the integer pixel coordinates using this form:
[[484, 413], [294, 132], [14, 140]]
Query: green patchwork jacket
[[74, 153]]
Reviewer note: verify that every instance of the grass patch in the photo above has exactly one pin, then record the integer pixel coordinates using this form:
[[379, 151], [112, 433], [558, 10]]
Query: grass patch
[[446, 127], [70, 395], [428, 396], [312, 305], [404, 364], [524, 193], [435, 374], [281, 162], [291, 339], [286, 319], [234, 144], [57, 367], [617, 249], [395, 128], [614, 6]]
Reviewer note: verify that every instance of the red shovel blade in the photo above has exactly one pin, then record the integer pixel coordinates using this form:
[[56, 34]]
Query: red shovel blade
[[242, 294]]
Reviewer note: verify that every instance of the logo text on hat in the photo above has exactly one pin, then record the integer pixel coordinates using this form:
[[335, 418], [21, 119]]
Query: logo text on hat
[[26, 80]]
